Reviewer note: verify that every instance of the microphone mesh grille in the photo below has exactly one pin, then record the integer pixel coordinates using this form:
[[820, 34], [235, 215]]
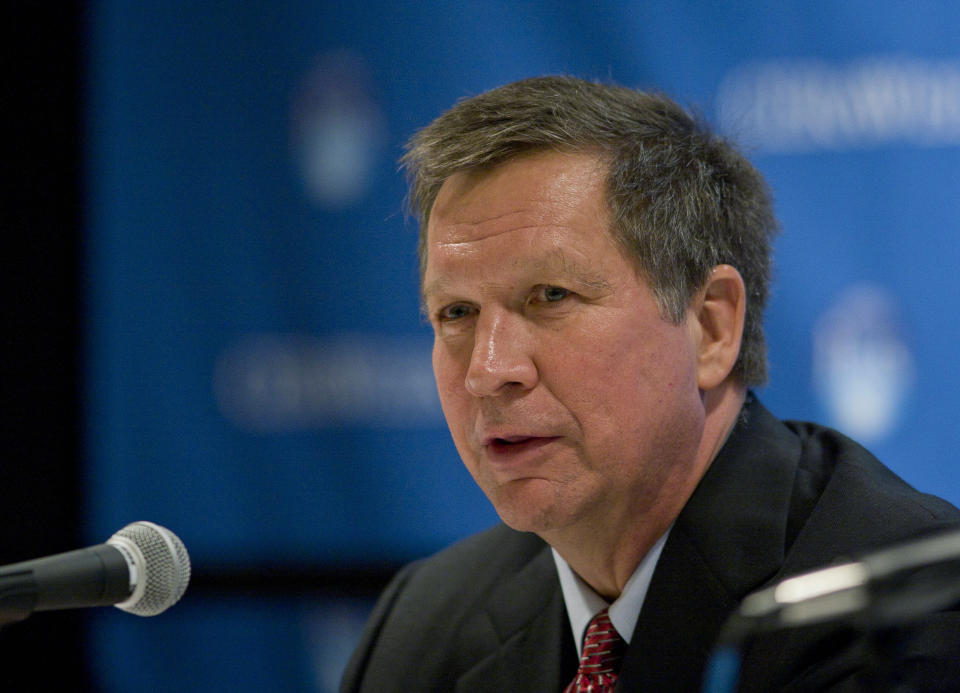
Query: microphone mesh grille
[[166, 567]]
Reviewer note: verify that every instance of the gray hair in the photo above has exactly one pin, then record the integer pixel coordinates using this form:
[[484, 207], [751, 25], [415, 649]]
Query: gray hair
[[682, 200]]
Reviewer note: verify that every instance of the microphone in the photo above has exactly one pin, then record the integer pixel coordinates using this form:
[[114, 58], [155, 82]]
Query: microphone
[[886, 587], [883, 589], [143, 569]]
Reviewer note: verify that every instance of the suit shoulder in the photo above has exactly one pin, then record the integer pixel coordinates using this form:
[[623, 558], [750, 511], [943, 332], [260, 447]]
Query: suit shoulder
[[430, 624], [459, 580], [475, 562], [829, 457], [849, 501]]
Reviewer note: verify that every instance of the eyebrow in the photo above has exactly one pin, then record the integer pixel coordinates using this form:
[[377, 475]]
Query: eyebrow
[[556, 261]]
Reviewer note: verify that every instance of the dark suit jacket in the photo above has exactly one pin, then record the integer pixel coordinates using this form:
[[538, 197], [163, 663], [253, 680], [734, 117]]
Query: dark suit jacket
[[487, 614]]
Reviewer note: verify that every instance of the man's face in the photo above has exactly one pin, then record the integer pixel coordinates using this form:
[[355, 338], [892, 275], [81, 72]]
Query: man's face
[[572, 402]]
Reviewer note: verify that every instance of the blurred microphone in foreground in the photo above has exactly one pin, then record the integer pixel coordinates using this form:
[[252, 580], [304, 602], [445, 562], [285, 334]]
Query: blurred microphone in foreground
[[142, 569], [877, 594]]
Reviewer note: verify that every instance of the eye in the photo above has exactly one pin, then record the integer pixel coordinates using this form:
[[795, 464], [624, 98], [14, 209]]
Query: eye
[[551, 294], [452, 312]]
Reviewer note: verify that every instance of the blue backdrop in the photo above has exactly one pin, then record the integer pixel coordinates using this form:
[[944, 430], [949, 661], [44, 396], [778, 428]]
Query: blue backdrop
[[258, 372]]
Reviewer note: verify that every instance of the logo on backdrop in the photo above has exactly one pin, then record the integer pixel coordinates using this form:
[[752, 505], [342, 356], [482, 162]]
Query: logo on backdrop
[[790, 106], [337, 130], [281, 383], [862, 367]]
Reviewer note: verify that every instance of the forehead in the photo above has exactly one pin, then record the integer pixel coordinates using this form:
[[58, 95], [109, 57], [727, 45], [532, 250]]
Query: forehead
[[545, 212], [540, 188]]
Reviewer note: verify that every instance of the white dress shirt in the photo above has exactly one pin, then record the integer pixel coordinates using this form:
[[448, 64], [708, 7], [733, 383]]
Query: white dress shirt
[[583, 603]]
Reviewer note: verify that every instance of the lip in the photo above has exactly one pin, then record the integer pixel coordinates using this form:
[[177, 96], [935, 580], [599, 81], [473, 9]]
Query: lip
[[513, 448]]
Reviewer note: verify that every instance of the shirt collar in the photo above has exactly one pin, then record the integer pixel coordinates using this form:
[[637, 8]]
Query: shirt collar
[[583, 603]]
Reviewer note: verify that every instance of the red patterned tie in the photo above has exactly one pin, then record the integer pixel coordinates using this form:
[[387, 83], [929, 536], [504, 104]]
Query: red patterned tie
[[603, 649]]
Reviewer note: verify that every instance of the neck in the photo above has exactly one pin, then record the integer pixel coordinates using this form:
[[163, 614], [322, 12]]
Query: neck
[[607, 552]]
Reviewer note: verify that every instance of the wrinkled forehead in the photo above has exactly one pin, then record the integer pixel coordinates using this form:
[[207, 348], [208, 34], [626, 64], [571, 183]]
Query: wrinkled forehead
[[539, 188]]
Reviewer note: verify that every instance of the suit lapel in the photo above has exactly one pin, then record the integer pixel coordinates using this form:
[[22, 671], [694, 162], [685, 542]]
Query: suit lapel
[[528, 617], [729, 539], [684, 608]]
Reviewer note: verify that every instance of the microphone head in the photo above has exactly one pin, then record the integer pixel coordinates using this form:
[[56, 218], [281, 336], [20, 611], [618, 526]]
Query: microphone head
[[161, 571]]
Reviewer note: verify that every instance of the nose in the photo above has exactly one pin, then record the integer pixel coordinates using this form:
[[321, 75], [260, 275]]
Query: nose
[[501, 360]]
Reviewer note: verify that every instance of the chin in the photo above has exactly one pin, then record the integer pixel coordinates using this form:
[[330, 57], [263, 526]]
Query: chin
[[531, 506], [525, 523]]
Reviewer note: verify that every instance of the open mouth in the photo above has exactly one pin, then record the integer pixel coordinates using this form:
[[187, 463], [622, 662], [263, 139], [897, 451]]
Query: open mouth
[[516, 440], [516, 444]]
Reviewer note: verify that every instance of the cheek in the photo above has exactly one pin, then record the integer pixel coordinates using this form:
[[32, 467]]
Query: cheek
[[630, 374], [454, 400], [447, 371]]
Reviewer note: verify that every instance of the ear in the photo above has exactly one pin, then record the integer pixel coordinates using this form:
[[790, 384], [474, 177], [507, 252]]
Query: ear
[[716, 317]]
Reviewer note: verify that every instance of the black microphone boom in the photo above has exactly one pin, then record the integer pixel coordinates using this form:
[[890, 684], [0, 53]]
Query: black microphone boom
[[884, 589], [887, 587], [143, 569]]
